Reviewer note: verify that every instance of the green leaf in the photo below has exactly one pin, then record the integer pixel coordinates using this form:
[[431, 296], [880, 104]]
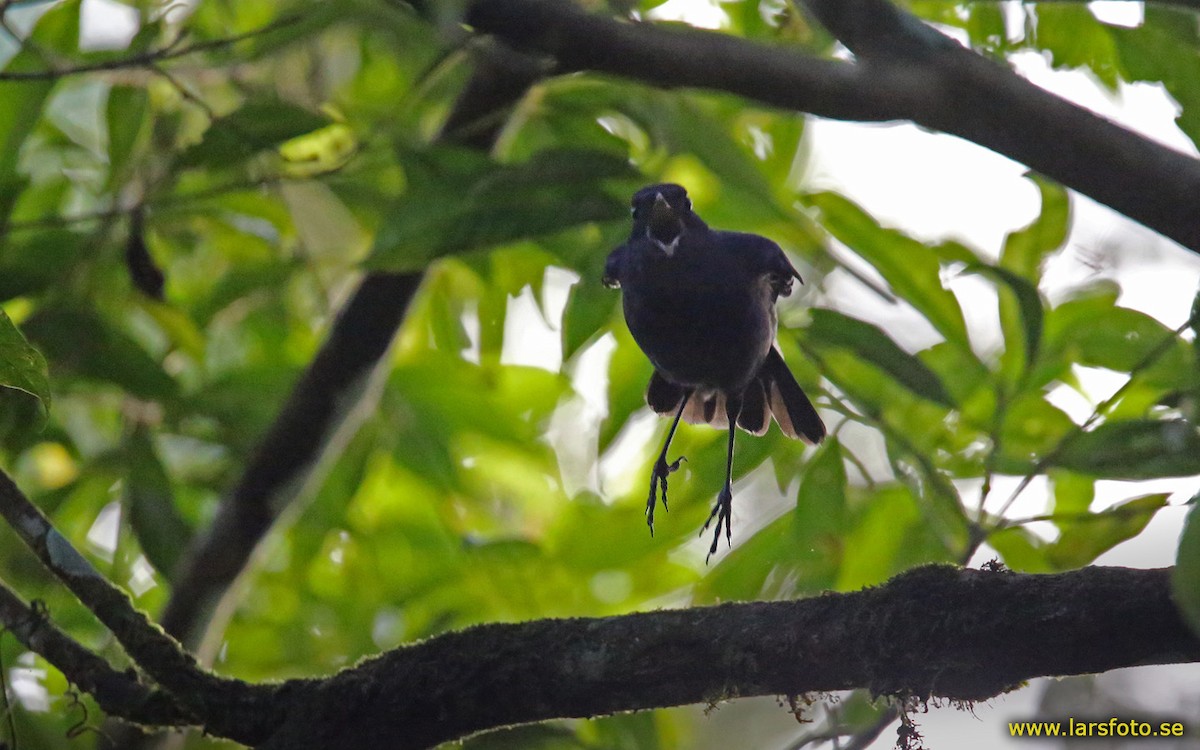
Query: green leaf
[[1093, 332], [1155, 52], [873, 546], [1091, 535], [959, 370], [22, 103], [986, 27], [1021, 549], [1027, 327], [1137, 449], [1032, 428], [126, 114], [23, 375], [161, 530], [1073, 493], [1185, 576], [34, 261], [1076, 39], [909, 266], [81, 341], [876, 393], [493, 204], [508, 272], [873, 345], [798, 553], [256, 126], [628, 373], [1025, 250], [179, 328], [589, 307]]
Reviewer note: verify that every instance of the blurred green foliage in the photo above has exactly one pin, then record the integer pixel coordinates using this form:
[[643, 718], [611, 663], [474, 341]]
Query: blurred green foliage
[[502, 475]]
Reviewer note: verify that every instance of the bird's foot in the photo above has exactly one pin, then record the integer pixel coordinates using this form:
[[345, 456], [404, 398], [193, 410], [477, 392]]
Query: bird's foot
[[723, 512], [658, 476]]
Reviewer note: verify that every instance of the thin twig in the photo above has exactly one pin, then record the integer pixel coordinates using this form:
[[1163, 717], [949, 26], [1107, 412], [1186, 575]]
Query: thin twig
[[1086, 516], [118, 693], [149, 58], [229, 706], [1101, 409]]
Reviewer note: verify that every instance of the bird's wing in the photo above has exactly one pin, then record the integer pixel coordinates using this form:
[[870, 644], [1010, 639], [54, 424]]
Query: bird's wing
[[762, 256], [614, 267]]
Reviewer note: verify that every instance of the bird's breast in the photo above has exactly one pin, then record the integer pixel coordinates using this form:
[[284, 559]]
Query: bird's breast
[[701, 325]]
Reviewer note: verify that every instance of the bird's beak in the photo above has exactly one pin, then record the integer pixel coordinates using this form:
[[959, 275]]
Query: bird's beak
[[661, 213]]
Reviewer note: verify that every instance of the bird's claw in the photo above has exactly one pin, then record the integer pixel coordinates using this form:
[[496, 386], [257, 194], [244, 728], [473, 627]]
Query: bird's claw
[[723, 512], [658, 476]]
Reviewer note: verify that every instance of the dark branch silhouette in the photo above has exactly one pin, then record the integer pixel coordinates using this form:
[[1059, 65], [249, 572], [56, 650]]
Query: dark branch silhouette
[[905, 71]]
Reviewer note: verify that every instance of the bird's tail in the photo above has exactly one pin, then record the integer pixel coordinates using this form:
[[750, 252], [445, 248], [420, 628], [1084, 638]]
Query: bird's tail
[[774, 392]]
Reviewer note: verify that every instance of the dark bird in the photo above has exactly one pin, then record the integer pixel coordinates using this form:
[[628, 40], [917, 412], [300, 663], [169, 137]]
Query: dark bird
[[701, 304]]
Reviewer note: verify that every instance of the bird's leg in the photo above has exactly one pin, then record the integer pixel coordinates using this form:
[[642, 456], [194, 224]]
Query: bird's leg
[[662, 469], [723, 510]]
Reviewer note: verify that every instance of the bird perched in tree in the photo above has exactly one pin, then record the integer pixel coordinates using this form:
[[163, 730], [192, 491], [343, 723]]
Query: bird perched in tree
[[701, 304]]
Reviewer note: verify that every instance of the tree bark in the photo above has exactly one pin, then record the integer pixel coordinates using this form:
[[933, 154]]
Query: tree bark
[[936, 631]]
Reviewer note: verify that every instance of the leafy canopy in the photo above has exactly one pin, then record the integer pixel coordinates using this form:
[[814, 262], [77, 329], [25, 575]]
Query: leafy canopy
[[499, 475]]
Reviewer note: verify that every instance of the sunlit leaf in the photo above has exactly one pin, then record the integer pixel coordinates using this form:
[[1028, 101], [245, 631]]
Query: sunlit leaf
[[1092, 331], [1021, 550], [1091, 535], [872, 547], [873, 345], [254, 127], [909, 266], [1025, 250], [1073, 493], [1075, 39], [589, 307], [1032, 428], [986, 27]]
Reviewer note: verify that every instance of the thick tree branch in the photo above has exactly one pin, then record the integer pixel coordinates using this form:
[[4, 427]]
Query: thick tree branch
[[679, 56], [331, 386], [935, 631], [907, 71]]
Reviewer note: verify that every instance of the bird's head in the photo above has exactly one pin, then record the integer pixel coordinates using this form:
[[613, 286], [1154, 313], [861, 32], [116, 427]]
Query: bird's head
[[662, 213]]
